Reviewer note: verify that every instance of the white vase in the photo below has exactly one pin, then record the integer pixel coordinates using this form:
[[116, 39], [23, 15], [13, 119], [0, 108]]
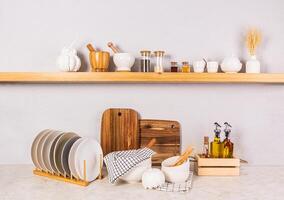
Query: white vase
[[231, 64], [253, 65]]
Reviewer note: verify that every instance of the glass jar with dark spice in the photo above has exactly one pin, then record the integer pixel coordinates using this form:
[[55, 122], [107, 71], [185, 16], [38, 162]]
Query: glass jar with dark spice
[[174, 66]]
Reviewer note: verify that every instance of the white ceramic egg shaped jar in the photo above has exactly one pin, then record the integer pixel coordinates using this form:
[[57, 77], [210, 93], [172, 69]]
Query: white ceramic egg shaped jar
[[153, 178], [68, 61], [231, 64]]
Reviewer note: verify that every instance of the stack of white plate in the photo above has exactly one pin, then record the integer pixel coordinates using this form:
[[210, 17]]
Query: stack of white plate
[[64, 153]]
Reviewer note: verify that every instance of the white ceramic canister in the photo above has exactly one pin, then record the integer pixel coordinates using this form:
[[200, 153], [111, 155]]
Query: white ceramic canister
[[212, 66], [198, 66], [253, 65]]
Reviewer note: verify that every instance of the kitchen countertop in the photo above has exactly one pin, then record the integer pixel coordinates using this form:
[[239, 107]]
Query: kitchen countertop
[[263, 183]]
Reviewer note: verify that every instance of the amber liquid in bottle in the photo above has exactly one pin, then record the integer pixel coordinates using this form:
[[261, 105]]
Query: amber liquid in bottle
[[185, 67], [228, 146], [216, 145]]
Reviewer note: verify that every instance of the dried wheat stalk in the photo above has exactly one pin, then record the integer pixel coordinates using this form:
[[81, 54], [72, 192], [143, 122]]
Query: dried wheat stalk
[[253, 40]]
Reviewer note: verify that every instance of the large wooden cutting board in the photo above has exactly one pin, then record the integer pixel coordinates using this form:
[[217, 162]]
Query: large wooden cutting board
[[119, 130], [167, 134]]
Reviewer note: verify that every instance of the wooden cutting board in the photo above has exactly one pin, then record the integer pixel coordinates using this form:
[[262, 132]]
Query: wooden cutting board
[[119, 130], [167, 134]]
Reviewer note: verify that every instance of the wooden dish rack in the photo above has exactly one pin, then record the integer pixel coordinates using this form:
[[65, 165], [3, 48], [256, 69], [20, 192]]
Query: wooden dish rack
[[72, 179]]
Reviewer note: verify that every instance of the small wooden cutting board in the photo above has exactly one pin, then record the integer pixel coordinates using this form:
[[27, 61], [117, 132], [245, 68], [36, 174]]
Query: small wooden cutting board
[[119, 130], [167, 135]]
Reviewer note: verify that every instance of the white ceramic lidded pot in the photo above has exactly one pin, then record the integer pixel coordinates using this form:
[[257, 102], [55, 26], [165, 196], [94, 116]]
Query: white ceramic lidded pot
[[253, 65], [231, 64]]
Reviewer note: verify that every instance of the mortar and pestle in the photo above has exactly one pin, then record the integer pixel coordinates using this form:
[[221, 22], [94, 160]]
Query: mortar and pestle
[[122, 61], [99, 59]]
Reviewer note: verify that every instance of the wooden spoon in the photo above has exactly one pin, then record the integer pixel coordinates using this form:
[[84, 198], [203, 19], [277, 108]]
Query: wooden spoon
[[183, 157], [113, 48], [151, 143]]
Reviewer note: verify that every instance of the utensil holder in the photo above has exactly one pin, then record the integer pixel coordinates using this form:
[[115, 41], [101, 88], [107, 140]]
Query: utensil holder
[[70, 179]]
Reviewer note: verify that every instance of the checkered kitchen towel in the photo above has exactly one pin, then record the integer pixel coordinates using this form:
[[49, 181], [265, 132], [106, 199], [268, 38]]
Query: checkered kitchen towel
[[120, 162], [177, 187]]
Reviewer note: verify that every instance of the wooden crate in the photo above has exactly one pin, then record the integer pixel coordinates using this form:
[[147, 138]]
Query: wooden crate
[[217, 166]]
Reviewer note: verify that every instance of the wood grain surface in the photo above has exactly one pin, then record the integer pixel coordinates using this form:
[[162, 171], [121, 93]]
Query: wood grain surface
[[119, 130], [167, 135]]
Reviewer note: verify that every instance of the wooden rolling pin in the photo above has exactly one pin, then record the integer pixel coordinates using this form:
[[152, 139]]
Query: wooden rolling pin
[[113, 48], [183, 157], [90, 47]]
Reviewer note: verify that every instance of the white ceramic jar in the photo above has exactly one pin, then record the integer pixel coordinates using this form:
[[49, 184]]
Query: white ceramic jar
[[198, 66], [253, 65], [176, 174], [212, 66], [231, 64]]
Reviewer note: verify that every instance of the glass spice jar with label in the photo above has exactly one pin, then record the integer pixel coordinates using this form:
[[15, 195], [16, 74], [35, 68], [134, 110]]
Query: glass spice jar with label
[[145, 62], [185, 67], [174, 66]]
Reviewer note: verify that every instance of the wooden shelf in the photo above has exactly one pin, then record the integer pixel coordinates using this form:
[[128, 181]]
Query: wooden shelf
[[136, 77]]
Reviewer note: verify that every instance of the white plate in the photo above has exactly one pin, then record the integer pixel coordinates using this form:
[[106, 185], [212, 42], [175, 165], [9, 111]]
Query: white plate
[[58, 150], [46, 149], [51, 154], [65, 154], [71, 158], [90, 151], [34, 147], [39, 150]]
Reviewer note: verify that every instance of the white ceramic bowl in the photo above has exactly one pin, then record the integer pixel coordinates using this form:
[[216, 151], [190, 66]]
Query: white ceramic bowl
[[175, 174], [135, 174], [212, 67], [123, 61]]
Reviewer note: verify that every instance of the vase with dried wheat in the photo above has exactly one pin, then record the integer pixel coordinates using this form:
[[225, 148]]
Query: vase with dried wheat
[[253, 40]]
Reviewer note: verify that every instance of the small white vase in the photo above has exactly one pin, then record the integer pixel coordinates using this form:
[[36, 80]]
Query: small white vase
[[253, 65]]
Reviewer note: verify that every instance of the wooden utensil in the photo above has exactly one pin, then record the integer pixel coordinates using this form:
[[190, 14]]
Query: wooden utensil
[[151, 143], [113, 48], [119, 130], [183, 157], [167, 135], [91, 48]]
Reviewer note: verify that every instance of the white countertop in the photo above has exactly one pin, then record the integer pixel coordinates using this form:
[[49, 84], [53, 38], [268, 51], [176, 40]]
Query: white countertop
[[263, 183]]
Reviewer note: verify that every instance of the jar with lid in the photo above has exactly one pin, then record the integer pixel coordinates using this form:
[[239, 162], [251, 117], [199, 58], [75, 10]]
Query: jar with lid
[[159, 61], [185, 67], [145, 63], [174, 66]]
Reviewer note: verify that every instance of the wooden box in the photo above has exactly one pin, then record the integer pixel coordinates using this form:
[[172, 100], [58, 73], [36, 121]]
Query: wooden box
[[217, 166]]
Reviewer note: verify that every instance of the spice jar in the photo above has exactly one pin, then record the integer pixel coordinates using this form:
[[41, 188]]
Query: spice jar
[[174, 66], [185, 67], [159, 61], [145, 62]]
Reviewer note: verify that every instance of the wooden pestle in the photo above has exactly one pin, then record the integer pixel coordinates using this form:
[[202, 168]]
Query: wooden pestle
[[113, 48], [183, 157], [91, 48], [151, 143]]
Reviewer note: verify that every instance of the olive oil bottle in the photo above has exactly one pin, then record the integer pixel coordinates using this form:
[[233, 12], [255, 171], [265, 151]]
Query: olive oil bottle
[[216, 145], [228, 146]]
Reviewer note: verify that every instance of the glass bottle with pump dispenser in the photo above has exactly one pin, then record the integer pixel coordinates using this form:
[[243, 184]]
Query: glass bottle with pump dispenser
[[228, 146], [216, 145]]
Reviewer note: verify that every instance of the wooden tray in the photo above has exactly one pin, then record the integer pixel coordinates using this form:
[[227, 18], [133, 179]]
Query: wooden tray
[[217, 166], [167, 135]]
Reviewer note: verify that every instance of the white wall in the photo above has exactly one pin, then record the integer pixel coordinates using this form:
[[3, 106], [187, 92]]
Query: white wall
[[32, 34]]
